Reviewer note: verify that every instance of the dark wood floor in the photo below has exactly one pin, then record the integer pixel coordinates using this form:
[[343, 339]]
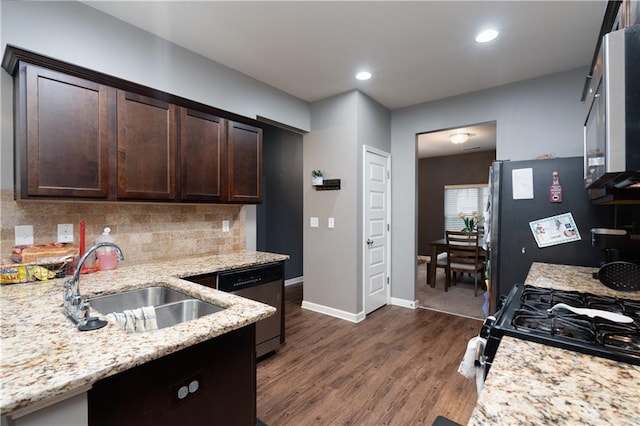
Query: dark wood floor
[[397, 367]]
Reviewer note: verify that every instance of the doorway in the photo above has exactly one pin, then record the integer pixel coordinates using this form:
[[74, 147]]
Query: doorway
[[441, 163]]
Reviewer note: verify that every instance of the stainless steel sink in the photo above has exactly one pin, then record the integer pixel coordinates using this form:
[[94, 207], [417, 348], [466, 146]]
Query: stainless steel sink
[[148, 296], [172, 307], [185, 310]]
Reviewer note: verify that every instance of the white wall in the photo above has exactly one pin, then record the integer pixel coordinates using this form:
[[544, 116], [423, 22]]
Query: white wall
[[534, 117]]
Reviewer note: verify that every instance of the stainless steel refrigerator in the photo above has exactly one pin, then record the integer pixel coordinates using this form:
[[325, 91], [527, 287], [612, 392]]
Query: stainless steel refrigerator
[[512, 245]]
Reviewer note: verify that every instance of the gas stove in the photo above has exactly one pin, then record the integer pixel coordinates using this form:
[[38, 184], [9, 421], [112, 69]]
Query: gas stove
[[524, 314]]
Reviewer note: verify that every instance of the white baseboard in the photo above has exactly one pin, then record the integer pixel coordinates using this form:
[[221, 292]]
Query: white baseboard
[[337, 313], [411, 304], [292, 281]]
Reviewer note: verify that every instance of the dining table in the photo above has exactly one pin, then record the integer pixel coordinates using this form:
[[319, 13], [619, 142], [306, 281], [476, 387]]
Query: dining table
[[440, 246]]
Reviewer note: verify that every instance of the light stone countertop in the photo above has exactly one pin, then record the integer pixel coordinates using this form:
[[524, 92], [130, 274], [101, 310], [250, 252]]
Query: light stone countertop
[[572, 278], [43, 356], [531, 383]]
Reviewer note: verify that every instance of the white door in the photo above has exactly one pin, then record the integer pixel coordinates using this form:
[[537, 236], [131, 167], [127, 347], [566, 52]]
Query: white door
[[377, 179]]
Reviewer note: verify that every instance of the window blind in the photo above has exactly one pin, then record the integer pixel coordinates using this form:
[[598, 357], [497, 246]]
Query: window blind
[[463, 199]]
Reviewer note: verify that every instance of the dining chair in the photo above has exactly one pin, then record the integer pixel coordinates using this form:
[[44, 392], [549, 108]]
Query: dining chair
[[481, 255], [463, 256]]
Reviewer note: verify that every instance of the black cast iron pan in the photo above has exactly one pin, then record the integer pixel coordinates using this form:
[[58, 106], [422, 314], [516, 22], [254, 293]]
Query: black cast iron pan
[[621, 276]]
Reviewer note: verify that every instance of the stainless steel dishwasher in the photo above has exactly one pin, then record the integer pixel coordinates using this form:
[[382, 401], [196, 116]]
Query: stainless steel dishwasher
[[265, 284]]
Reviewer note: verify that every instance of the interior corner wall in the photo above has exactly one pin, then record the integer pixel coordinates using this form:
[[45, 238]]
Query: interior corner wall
[[330, 262], [374, 130], [533, 117]]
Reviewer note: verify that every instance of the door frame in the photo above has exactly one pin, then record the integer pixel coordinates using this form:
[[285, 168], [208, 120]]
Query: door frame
[[363, 285]]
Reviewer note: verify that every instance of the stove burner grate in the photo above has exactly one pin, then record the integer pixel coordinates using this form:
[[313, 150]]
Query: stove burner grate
[[565, 326]]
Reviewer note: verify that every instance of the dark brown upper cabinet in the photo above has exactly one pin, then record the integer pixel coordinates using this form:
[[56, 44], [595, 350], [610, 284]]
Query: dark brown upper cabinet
[[244, 163], [202, 156], [63, 129], [147, 143], [81, 134]]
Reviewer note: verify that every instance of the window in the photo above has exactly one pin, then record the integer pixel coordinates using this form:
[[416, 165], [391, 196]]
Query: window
[[463, 199]]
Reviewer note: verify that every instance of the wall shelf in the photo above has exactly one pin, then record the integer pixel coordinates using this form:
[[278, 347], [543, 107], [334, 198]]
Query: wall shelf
[[329, 185]]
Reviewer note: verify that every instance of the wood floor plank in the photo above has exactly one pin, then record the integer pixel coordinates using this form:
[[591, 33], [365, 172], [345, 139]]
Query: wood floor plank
[[397, 367]]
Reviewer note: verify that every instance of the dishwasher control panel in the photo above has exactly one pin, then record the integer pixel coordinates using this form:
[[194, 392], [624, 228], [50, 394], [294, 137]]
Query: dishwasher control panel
[[237, 279]]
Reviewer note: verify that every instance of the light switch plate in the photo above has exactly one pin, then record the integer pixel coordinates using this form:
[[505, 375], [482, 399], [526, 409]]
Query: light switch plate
[[24, 235], [313, 222], [225, 226], [65, 233]]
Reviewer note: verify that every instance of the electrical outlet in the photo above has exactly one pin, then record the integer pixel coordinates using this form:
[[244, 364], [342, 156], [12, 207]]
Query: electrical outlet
[[24, 235], [65, 233], [225, 226]]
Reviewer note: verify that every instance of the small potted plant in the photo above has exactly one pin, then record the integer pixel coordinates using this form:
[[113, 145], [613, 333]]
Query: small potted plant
[[316, 176]]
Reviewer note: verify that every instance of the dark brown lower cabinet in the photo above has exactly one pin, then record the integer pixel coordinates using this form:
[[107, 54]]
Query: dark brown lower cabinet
[[216, 378]]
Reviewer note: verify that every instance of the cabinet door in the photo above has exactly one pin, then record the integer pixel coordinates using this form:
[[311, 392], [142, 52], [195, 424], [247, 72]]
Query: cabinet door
[[69, 128], [147, 141], [202, 151], [211, 383], [244, 145]]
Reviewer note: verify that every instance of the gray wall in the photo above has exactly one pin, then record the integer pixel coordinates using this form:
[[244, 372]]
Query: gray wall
[[340, 127], [330, 263], [76, 33], [79, 34], [533, 117], [279, 217], [374, 130]]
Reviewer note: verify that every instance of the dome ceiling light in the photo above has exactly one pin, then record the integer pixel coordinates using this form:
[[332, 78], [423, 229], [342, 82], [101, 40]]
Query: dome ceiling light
[[486, 36], [458, 138], [363, 75]]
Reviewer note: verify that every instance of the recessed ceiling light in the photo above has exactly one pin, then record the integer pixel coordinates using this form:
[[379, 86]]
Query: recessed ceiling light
[[486, 35], [363, 75]]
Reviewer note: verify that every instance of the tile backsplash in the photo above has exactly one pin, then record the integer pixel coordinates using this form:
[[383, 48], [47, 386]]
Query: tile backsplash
[[145, 231]]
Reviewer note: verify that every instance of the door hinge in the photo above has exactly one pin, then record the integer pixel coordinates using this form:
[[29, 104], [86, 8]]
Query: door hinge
[[388, 227], [388, 174], [387, 280]]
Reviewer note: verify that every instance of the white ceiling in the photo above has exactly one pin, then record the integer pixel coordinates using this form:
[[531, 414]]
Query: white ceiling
[[418, 51], [482, 137]]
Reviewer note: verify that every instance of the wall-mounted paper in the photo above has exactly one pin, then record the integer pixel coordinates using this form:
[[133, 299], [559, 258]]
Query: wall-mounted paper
[[555, 230], [522, 182]]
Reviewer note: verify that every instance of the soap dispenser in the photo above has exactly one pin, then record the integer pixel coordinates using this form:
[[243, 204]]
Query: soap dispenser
[[107, 257]]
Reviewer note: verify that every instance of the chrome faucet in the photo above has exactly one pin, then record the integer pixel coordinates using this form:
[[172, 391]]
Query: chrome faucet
[[76, 308]]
